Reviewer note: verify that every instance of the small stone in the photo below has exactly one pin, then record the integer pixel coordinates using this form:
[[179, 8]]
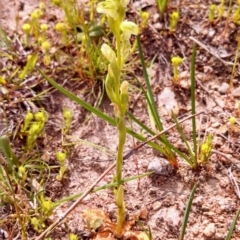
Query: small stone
[[223, 183], [216, 124], [210, 230], [236, 92], [158, 26], [223, 88], [220, 102], [156, 205], [156, 17], [143, 214], [211, 32], [161, 167]]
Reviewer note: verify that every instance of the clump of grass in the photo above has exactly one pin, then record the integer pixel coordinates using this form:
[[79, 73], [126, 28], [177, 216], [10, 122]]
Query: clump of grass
[[162, 4], [197, 154]]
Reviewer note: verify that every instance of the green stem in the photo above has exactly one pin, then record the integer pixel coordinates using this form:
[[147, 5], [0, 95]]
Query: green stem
[[120, 192], [119, 163], [118, 49]]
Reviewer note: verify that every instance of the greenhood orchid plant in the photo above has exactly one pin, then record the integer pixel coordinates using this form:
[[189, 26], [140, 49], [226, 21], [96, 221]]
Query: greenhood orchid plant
[[118, 92]]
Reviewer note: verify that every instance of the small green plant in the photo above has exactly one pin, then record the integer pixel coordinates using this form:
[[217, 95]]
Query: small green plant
[[117, 91], [73, 236], [212, 12], [221, 8], [33, 126], [46, 46], [206, 149], [61, 157], [61, 28], [161, 4], [46, 207], [174, 17], [31, 62], [176, 62], [67, 115], [34, 22], [196, 155]]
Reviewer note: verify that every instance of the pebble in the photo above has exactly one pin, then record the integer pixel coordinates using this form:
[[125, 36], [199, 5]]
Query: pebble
[[215, 125], [143, 214], [223, 88], [161, 167], [158, 26], [210, 230], [211, 32], [236, 92], [156, 205], [220, 102], [156, 17]]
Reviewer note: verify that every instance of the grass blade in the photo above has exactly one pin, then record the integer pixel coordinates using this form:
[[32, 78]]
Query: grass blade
[[106, 186], [79, 101], [187, 212], [180, 130], [193, 103], [230, 232], [11, 158], [154, 113], [96, 111], [4, 40], [149, 96]]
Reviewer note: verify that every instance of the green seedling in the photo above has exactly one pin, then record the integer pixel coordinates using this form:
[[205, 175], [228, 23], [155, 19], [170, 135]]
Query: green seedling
[[174, 17], [62, 30], [46, 207], [212, 12], [206, 149], [236, 15], [46, 46], [22, 173], [144, 19], [31, 62], [27, 121], [231, 123], [26, 28], [44, 28], [67, 115], [33, 126], [176, 62], [161, 4], [72, 236], [34, 22], [221, 8], [117, 91], [61, 157]]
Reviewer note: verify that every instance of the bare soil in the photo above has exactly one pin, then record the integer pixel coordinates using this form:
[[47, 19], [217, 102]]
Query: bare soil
[[162, 198]]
